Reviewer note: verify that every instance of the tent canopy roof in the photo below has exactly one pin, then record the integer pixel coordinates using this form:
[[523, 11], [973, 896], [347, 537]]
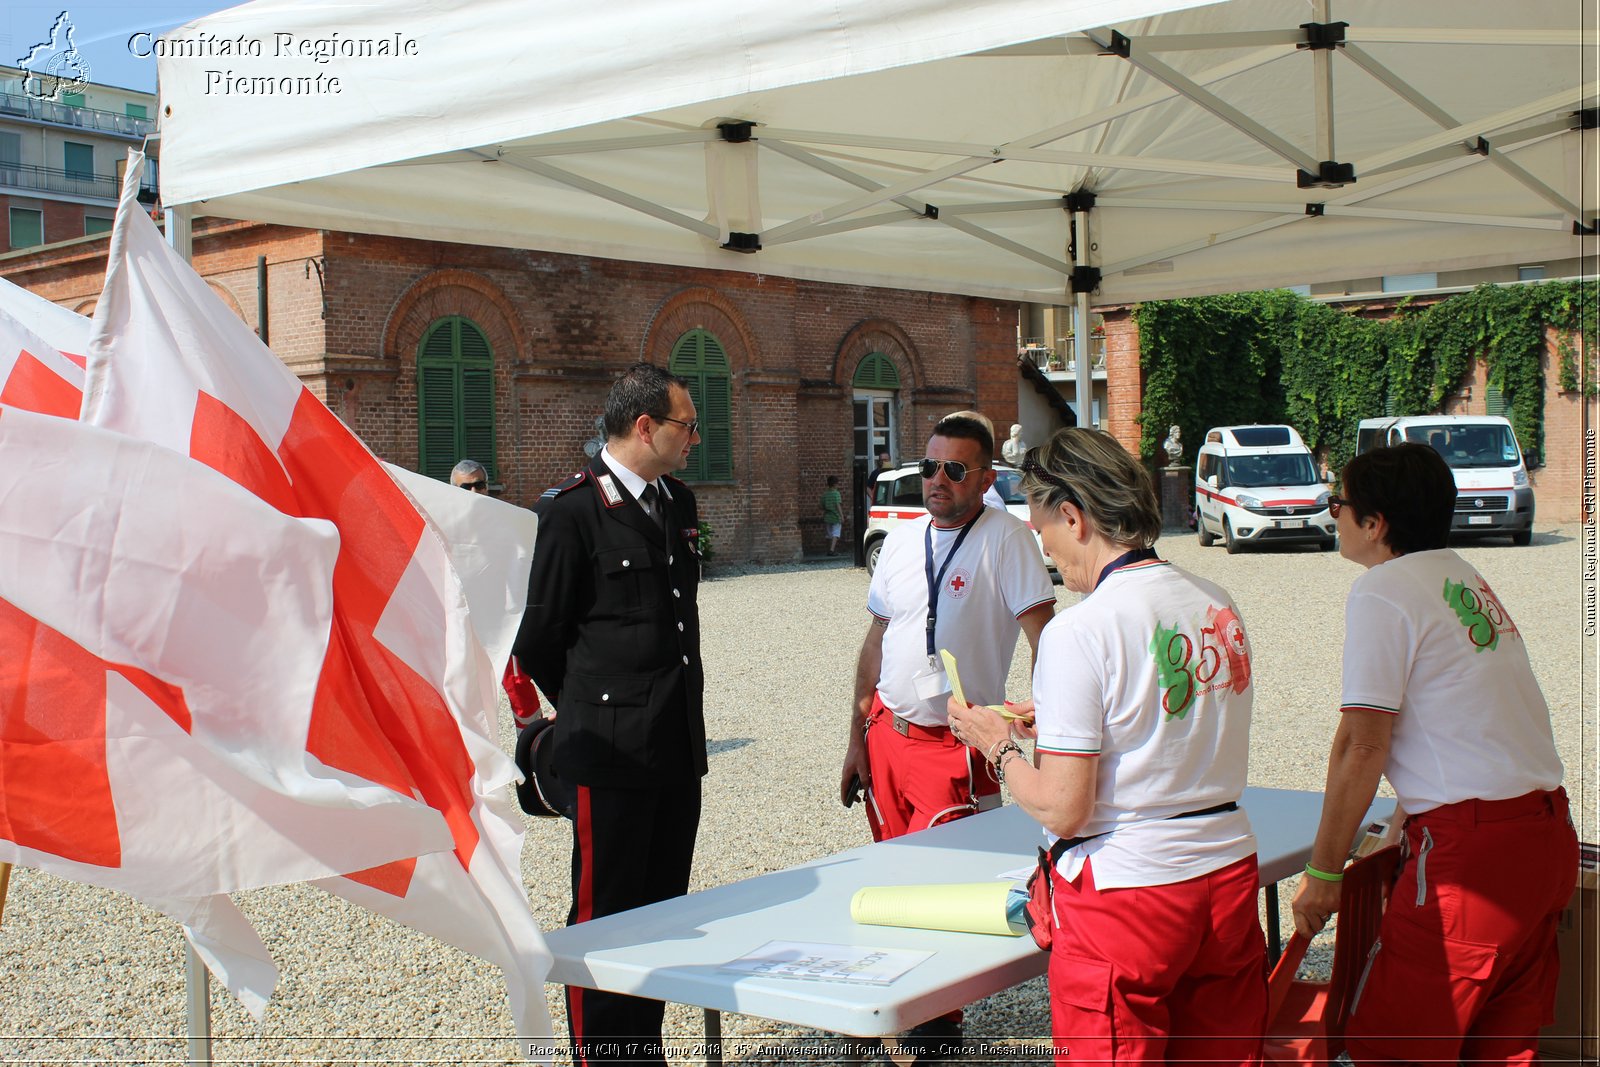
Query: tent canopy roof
[[920, 144]]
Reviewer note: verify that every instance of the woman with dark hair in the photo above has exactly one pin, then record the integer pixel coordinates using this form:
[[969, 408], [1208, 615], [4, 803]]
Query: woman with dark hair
[[1141, 702], [1439, 696]]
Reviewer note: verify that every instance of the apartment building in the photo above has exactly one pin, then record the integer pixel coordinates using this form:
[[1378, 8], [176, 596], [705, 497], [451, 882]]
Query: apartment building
[[62, 155]]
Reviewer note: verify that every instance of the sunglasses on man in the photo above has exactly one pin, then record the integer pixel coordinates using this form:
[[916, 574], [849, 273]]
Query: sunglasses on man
[[954, 469], [479, 486]]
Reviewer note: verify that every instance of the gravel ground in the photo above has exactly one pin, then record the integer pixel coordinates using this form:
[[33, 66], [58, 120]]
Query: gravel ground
[[88, 975]]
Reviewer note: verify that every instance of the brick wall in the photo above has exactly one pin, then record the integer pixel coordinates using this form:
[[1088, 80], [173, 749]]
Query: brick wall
[[346, 313]]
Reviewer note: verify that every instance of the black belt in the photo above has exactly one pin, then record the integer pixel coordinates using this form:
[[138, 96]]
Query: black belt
[[1059, 849]]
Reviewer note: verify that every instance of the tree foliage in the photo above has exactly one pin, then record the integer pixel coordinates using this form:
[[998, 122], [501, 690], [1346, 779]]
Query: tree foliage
[[1276, 356]]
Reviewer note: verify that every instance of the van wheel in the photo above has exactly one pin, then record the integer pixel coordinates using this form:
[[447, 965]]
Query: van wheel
[[873, 550], [1233, 544], [1330, 544], [1207, 538], [1522, 537]]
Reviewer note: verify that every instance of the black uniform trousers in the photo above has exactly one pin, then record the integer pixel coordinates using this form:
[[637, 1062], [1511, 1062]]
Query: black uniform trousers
[[630, 847]]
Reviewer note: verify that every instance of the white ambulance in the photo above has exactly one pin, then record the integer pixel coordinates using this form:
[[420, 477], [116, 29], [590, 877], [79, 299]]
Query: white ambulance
[[1492, 491], [1257, 485], [897, 496]]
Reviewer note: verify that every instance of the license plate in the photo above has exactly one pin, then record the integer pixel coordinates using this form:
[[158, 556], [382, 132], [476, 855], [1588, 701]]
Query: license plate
[[1291, 524], [1479, 520]]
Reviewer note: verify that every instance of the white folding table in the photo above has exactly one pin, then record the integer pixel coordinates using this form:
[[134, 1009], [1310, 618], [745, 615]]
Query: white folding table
[[673, 951]]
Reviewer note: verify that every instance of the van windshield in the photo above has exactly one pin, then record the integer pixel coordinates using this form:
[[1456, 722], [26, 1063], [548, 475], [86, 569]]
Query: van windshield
[[1006, 481], [1285, 468], [1483, 444]]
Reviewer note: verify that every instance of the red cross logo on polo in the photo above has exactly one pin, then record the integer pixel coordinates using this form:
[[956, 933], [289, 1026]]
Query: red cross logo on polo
[[958, 583]]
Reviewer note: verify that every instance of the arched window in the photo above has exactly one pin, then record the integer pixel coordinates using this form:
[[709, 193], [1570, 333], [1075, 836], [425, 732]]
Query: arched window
[[876, 371], [455, 398], [698, 358], [873, 393]]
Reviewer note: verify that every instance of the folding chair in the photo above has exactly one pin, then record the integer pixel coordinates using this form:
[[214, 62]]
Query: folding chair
[[1305, 1020]]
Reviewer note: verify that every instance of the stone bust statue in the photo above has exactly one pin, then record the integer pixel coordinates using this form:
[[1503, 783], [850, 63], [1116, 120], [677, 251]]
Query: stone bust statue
[[1013, 448], [1174, 445]]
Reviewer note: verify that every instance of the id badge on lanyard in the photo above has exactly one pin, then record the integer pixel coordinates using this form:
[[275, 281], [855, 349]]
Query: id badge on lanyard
[[935, 584]]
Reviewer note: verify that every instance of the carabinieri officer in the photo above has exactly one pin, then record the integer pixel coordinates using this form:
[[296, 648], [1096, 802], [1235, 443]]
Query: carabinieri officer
[[612, 636]]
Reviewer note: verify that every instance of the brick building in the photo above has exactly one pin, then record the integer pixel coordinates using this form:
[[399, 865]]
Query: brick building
[[433, 351]]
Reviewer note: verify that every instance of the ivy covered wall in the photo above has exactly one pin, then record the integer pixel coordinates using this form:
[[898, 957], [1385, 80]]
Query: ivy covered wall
[[1278, 357]]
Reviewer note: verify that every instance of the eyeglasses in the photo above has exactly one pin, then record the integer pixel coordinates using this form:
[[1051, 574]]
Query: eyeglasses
[[954, 469], [693, 425], [1337, 504], [479, 486]]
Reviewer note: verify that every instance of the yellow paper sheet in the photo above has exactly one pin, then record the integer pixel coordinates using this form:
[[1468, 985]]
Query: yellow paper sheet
[[969, 908], [955, 687]]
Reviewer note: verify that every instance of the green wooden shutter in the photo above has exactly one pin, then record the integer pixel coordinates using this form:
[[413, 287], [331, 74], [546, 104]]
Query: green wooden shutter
[[700, 360], [78, 160], [876, 371], [136, 111], [72, 99], [455, 398], [1494, 401]]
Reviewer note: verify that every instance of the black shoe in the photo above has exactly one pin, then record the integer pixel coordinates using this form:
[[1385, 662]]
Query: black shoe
[[935, 1041]]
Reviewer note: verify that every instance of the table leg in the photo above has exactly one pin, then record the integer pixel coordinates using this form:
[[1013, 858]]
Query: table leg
[[1274, 935], [713, 1038]]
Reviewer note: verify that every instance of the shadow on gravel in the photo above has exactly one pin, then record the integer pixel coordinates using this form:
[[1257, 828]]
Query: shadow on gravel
[[714, 748]]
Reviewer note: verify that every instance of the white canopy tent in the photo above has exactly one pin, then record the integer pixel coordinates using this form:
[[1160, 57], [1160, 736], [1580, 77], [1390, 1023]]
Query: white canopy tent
[[922, 144]]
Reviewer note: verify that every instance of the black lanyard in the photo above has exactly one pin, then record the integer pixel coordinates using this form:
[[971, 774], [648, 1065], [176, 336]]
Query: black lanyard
[[937, 581], [1136, 555]]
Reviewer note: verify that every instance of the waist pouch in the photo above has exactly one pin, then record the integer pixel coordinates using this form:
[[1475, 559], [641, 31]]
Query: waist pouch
[[1040, 909]]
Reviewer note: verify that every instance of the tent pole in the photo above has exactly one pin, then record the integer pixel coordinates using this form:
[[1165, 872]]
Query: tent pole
[[5, 883], [1083, 380]]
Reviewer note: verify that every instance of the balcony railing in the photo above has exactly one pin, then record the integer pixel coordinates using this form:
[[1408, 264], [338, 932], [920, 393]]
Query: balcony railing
[[71, 183], [1062, 356], [20, 105]]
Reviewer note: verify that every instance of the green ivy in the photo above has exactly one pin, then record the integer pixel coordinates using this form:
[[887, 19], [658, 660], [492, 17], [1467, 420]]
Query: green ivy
[[1276, 356]]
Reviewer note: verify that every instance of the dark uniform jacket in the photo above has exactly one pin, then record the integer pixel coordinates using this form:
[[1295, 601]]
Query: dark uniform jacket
[[612, 632]]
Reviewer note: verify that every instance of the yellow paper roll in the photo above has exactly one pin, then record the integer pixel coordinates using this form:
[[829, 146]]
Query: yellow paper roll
[[968, 908]]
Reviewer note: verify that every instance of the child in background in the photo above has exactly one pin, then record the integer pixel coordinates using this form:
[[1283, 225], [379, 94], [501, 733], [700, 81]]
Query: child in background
[[832, 513]]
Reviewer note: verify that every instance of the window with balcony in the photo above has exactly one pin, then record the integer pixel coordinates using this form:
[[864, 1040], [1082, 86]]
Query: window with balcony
[[455, 398], [699, 359], [137, 111], [10, 151], [27, 227], [72, 99], [79, 161]]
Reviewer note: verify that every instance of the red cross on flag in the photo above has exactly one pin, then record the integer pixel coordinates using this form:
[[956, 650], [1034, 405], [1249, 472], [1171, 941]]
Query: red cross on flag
[[406, 695], [34, 374]]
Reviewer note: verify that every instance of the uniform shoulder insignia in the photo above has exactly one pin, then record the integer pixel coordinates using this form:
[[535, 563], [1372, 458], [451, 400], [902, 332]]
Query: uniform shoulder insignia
[[572, 482]]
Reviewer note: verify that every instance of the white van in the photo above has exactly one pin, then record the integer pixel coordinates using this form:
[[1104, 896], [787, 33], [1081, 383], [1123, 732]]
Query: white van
[[1492, 491], [1258, 485]]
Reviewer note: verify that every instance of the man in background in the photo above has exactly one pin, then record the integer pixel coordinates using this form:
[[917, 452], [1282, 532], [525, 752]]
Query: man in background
[[470, 475]]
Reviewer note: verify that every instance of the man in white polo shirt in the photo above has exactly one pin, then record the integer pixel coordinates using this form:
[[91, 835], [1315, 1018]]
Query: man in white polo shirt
[[991, 583], [966, 578]]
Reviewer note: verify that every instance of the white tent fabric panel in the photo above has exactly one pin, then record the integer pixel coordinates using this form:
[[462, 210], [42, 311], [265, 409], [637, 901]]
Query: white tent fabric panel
[[493, 134]]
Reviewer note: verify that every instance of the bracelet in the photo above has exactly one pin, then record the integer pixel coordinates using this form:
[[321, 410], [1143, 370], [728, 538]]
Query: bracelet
[[997, 747], [1006, 749], [1324, 875]]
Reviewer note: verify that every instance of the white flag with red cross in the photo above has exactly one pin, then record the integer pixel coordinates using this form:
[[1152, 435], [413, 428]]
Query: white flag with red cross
[[406, 695], [135, 586]]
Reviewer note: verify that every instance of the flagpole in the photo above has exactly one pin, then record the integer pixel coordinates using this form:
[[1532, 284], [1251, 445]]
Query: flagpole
[[197, 978], [5, 883]]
